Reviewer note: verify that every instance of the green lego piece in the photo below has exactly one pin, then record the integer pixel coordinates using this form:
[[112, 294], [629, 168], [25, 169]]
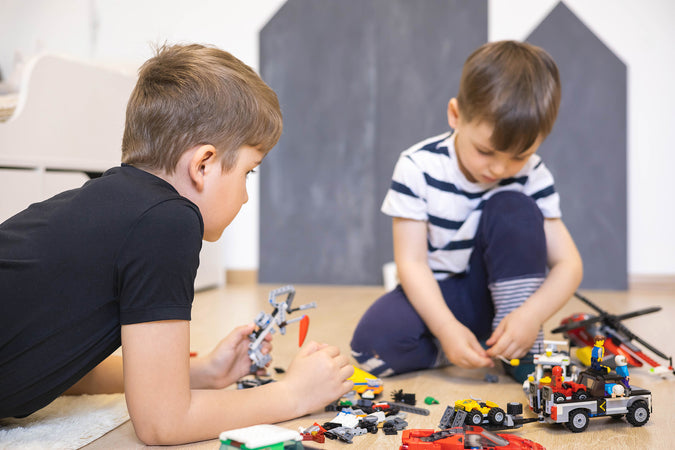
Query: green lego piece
[[431, 401]]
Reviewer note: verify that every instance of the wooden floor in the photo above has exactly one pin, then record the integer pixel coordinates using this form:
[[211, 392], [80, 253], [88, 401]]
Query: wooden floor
[[339, 308]]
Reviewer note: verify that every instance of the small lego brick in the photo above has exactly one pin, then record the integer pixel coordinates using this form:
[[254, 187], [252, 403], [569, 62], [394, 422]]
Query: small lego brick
[[260, 437], [365, 382], [382, 405], [389, 430], [402, 397], [430, 401], [491, 378], [411, 409], [368, 395], [396, 422], [343, 434], [314, 433], [369, 423]]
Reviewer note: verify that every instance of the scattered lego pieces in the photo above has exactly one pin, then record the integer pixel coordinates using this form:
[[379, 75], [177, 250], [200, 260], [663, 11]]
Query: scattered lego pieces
[[358, 417]]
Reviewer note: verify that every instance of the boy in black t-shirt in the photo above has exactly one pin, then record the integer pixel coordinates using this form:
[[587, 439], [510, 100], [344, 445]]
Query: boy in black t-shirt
[[113, 263]]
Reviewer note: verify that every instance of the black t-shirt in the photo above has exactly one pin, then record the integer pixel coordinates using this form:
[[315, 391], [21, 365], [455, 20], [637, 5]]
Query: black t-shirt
[[122, 249]]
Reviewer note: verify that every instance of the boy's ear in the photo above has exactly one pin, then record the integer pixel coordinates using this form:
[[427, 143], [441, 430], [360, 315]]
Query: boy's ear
[[200, 164], [453, 113]]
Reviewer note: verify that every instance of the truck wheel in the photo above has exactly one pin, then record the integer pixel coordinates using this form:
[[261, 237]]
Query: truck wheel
[[580, 395], [638, 413], [496, 416], [558, 397], [578, 420], [474, 418]]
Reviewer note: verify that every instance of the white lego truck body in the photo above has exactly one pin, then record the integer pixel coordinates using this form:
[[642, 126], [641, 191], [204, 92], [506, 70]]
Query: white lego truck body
[[635, 405]]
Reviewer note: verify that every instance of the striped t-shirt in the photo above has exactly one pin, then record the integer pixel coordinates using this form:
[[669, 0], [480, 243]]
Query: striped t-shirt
[[428, 185]]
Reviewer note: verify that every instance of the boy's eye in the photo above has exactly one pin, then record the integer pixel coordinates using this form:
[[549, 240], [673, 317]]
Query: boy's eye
[[484, 152]]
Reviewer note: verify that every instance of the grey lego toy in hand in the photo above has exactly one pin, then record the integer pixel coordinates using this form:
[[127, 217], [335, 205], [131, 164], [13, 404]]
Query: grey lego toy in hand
[[266, 322]]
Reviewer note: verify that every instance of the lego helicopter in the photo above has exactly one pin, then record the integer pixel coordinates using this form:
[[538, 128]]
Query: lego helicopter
[[581, 329], [266, 323]]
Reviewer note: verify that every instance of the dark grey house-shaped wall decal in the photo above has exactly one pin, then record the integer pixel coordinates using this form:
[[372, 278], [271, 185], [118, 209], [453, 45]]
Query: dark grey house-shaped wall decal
[[586, 151], [358, 81]]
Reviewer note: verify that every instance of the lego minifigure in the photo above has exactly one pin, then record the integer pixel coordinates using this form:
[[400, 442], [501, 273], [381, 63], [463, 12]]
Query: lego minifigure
[[598, 353], [622, 370]]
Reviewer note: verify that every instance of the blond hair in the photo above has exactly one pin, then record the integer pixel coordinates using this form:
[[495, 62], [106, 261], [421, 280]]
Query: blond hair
[[515, 87], [189, 95]]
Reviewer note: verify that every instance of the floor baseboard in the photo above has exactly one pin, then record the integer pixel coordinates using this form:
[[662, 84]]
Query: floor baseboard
[[241, 277], [653, 283]]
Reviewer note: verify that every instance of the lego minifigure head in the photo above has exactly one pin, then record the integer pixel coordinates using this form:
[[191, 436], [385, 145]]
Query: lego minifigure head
[[620, 360], [599, 340]]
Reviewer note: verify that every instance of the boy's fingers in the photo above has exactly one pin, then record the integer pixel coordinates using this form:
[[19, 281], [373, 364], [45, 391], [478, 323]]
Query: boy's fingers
[[480, 361], [266, 347], [496, 334], [331, 350], [243, 331], [310, 348], [343, 361], [496, 350], [478, 349], [346, 371]]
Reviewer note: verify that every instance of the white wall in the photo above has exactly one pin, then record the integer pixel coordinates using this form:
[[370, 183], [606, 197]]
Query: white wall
[[642, 35], [119, 32]]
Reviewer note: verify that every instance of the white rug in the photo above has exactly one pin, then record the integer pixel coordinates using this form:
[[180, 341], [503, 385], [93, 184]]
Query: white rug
[[70, 422]]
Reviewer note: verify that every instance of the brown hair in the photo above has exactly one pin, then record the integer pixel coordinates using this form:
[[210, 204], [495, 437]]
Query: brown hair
[[189, 95], [515, 87]]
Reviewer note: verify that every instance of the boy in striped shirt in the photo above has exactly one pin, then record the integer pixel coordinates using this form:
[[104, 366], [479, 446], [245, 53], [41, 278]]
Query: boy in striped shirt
[[482, 254]]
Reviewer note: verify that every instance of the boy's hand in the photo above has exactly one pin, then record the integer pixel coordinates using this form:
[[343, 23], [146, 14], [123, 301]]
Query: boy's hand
[[514, 336], [229, 360], [463, 349], [317, 376]]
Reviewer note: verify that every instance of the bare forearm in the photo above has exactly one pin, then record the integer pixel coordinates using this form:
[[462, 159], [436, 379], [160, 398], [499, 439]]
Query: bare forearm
[[559, 286], [209, 412]]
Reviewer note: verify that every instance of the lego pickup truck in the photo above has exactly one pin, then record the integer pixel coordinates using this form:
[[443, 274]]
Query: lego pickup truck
[[634, 403]]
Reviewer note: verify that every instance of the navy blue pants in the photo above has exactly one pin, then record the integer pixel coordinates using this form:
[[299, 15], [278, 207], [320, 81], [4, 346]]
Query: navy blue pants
[[509, 245]]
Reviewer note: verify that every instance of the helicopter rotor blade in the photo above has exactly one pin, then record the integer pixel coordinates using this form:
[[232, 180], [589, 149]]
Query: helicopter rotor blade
[[640, 312], [589, 303], [652, 348], [577, 324], [620, 328]]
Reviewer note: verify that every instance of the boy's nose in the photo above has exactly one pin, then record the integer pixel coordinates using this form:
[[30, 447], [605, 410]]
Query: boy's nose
[[497, 169]]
